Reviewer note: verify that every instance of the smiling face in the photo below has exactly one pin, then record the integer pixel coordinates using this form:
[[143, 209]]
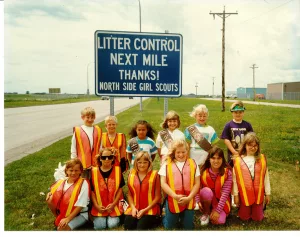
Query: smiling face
[[106, 159], [73, 173], [251, 148], [172, 124], [215, 162], [111, 126], [88, 120], [201, 118], [143, 165], [141, 131], [238, 115], [181, 153]]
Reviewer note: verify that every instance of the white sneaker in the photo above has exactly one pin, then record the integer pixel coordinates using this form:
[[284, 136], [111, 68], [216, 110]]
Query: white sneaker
[[196, 207], [232, 201], [204, 219]]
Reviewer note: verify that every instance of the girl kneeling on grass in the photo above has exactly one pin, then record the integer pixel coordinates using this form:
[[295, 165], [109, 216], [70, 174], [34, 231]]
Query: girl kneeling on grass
[[144, 195], [68, 198], [251, 182], [215, 190], [180, 180]]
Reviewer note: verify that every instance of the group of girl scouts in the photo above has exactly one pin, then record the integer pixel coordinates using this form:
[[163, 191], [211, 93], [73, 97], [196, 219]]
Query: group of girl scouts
[[194, 174]]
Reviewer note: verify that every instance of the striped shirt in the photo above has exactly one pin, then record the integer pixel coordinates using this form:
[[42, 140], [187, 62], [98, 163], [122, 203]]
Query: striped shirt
[[226, 188]]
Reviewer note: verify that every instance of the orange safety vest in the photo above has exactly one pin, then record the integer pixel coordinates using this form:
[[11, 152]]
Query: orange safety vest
[[65, 201], [106, 192], [143, 193], [84, 151], [181, 183], [251, 191], [207, 181], [119, 143]]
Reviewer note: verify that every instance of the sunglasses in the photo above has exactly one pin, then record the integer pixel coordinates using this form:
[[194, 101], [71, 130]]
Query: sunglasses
[[106, 157]]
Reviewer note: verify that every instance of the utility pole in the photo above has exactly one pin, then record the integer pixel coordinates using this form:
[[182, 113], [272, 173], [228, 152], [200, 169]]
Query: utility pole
[[213, 87], [223, 15], [253, 67], [196, 88]]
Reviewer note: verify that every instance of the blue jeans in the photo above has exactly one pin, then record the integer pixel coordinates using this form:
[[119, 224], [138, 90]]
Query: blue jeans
[[172, 220], [106, 222]]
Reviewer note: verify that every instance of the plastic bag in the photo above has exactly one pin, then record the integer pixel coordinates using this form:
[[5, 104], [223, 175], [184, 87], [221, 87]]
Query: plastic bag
[[60, 172]]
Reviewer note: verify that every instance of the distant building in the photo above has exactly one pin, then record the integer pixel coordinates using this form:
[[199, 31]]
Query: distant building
[[247, 93], [284, 91]]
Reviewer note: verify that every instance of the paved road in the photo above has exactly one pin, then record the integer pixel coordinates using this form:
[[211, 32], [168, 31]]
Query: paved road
[[29, 129]]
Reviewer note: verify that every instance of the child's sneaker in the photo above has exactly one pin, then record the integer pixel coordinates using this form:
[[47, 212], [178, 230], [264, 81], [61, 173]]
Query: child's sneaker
[[196, 207], [204, 219]]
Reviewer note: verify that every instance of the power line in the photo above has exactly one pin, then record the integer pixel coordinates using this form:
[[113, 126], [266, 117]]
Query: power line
[[267, 11]]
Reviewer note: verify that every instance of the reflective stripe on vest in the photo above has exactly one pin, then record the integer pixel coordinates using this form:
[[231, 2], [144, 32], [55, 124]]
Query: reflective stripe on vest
[[119, 137], [181, 183], [251, 191], [84, 151], [143, 193], [105, 193], [207, 181]]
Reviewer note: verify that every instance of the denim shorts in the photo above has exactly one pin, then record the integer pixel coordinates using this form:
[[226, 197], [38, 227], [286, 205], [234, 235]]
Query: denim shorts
[[76, 222]]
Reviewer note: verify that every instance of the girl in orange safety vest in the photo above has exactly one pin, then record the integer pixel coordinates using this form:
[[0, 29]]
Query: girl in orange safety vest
[[215, 188], [144, 195], [68, 198], [251, 182], [107, 182], [180, 180]]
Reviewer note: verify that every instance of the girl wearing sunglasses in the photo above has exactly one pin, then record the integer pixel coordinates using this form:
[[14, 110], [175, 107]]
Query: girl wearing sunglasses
[[107, 182]]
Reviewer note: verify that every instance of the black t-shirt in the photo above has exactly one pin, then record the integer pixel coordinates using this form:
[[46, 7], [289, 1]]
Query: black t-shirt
[[106, 175]]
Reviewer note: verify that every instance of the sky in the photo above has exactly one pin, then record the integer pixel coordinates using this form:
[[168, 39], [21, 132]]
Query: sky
[[50, 43]]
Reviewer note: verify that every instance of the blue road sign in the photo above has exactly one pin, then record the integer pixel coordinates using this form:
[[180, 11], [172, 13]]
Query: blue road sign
[[138, 64]]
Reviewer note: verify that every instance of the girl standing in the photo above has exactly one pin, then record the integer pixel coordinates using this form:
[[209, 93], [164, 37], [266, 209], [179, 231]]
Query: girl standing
[[107, 183], [180, 180], [144, 195], [251, 182], [142, 135], [215, 188], [68, 198], [169, 133], [117, 140]]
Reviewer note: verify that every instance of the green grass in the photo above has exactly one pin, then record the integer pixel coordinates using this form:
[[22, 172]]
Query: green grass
[[277, 127]]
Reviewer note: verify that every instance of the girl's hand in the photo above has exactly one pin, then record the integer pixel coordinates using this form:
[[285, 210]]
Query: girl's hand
[[63, 223], [101, 209], [177, 197], [237, 200], [134, 212], [141, 213], [214, 217], [183, 201], [110, 208], [267, 199], [49, 196]]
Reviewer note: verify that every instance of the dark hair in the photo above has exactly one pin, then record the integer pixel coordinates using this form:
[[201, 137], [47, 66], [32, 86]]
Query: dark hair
[[112, 150], [150, 130], [215, 150]]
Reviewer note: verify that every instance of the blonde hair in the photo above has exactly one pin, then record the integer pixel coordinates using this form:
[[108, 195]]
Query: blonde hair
[[71, 163], [142, 155], [174, 145], [110, 118], [170, 116], [198, 109], [250, 137], [235, 103], [88, 111]]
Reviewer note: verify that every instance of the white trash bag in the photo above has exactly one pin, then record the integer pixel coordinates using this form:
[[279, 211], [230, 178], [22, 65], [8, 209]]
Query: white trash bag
[[60, 172]]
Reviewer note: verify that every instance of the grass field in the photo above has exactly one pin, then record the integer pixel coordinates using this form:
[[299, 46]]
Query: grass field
[[277, 127]]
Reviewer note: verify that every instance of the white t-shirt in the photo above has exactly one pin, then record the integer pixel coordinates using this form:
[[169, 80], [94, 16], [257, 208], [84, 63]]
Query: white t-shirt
[[175, 134], [89, 131], [83, 198], [163, 169]]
